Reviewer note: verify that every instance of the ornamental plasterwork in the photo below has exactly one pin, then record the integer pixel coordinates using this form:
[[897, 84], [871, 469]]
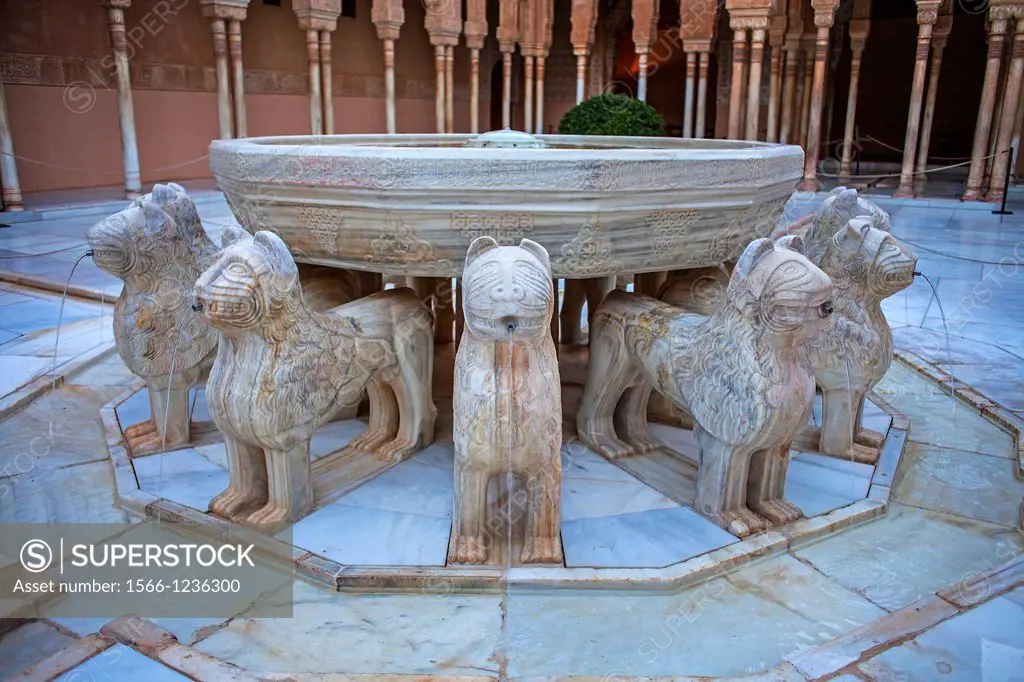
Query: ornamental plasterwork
[[398, 244], [589, 254], [325, 223]]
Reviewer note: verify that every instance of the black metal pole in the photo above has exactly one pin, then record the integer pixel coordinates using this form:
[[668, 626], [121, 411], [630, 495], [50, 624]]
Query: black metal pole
[[1006, 186]]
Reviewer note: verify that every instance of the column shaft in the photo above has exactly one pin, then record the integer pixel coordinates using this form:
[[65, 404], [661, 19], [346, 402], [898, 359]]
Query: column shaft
[[739, 58], [327, 81], [691, 74], [474, 90], [702, 94], [506, 90], [1011, 99], [929, 114], [813, 147], [540, 95], [439, 98], [528, 95], [788, 97], [125, 110], [754, 83], [316, 116], [983, 127], [237, 75], [220, 55], [805, 96], [449, 89], [924, 41], [641, 89], [851, 112], [774, 94], [389, 85], [581, 77], [8, 167]]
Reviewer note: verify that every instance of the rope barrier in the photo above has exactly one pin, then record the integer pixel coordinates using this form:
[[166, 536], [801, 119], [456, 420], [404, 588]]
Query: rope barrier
[[105, 172], [952, 256], [900, 151], [897, 175]]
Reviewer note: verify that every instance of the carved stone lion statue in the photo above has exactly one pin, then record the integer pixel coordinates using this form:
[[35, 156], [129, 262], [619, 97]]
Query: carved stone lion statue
[[158, 247], [283, 370], [508, 406], [741, 373], [853, 353]]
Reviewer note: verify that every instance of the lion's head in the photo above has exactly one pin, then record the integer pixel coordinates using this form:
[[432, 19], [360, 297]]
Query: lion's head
[[253, 281], [507, 289], [779, 288], [159, 233], [871, 257]]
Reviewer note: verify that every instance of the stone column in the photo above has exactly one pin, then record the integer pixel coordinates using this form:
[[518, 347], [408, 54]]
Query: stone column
[[319, 18], [857, 46], [584, 25], [999, 16], [528, 93], [443, 22], [688, 93], [388, 16], [222, 13], [754, 83], [540, 94], [508, 35], [449, 89], [789, 101], [645, 32], [739, 58], [316, 116], [939, 37], [807, 89], [475, 29], [125, 110], [823, 19], [238, 76], [927, 15], [11, 190], [700, 124], [1008, 113], [776, 40]]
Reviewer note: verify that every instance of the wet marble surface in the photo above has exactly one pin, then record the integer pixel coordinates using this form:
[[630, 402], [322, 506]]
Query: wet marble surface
[[365, 633], [910, 553], [986, 643], [788, 603]]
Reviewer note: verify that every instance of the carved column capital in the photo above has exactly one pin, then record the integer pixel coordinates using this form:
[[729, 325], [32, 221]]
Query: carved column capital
[[645, 25], [443, 22], [227, 10], [317, 15], [508, 25], [584, 23], [475, 26], [388, 16], [116, 4]]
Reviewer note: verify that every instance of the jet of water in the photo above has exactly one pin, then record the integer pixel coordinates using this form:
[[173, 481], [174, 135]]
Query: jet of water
[[56, 340]]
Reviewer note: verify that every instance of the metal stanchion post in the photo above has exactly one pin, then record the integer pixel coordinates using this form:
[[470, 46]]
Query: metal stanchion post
[[1006, 186]]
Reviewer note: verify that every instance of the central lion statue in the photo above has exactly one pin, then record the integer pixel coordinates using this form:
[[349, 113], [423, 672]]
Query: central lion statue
[[741, 373], [283, 370], [508, 405]]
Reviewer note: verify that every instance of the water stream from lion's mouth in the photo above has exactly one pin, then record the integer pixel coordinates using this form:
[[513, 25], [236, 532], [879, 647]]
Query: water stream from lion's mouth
[[945, 327], [56, 339]]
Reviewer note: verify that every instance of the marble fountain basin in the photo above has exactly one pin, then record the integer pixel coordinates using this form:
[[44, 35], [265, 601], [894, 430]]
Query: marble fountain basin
[[411, 204]]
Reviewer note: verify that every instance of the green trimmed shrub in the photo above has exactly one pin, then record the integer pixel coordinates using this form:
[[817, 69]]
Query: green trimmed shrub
[[611, 114]]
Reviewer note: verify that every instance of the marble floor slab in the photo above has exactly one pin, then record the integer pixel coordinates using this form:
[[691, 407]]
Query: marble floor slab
[[986, 643], [183, 476], [705, 630], [973, 485], [330, 632], [910, 553], [651, 538], [187, 630]]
